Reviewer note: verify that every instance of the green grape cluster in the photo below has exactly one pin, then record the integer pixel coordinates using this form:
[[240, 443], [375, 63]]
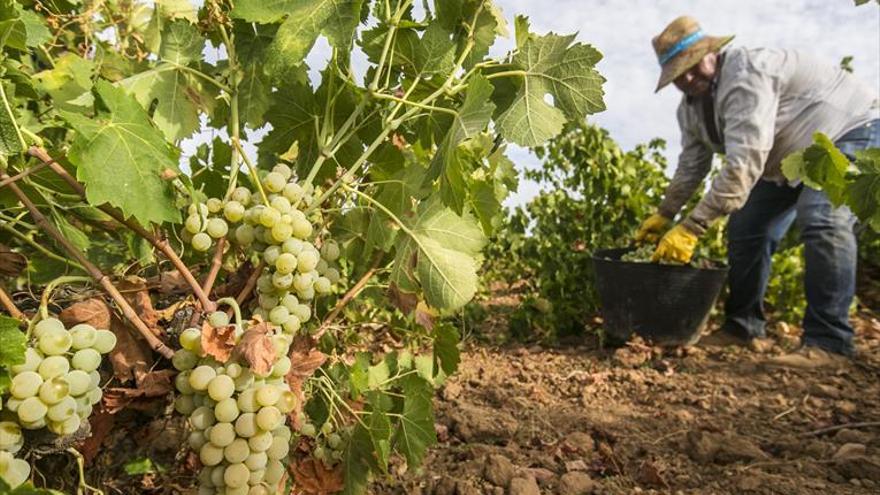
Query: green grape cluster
[[295, 269], [58, 383], [238, 418], [329, 443], [12, 470]]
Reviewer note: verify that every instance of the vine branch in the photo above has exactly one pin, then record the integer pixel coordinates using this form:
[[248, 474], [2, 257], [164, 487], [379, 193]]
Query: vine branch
[[216, 263], [347, 298], [102, 279], [9, 305], [23, 174], [159, 243]]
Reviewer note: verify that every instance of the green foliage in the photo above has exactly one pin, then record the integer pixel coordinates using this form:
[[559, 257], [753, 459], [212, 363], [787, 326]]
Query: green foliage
[[822, 166], [594, 195]]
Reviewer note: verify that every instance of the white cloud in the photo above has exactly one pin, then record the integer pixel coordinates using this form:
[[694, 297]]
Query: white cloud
[[623, 32]]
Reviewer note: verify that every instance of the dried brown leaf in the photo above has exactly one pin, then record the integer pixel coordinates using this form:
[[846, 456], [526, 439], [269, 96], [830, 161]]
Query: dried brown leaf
[[424, 316], [257, 349], [218, 342], [137, 293], [304, 360], [102, 423], [169, 282], [152, 385], [11, 263], [406, 302], [132, 356], [94, 312], [311, 477]]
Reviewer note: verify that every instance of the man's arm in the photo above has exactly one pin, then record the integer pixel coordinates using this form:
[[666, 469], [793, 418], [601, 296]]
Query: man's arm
[[749, 107], [694, 163]]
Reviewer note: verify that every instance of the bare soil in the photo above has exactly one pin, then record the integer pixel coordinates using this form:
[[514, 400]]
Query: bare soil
[[703, 420]]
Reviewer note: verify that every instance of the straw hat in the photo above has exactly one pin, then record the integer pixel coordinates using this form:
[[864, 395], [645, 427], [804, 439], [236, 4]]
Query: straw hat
[[681, 46]]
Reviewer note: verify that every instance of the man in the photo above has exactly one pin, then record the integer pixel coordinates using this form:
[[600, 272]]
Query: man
[[756, 106]]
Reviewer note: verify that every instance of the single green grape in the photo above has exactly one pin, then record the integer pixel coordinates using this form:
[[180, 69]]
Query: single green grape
[[274, 182], [217, 228], [201, 242]]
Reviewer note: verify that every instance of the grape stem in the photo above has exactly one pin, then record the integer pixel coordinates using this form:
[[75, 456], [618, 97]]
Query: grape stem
[[24, 173], [351, 294], [236, 144], [47, 292], [234, 305], [83, 487], [250, 284], [158, 242], [102, 279], [216, 263], [10, 305]]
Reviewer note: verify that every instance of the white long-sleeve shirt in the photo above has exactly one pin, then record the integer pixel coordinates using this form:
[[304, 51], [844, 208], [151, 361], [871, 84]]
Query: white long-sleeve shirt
[[768, 103]]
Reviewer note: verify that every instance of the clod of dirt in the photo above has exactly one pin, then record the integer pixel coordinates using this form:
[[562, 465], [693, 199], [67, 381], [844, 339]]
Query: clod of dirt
[[825, 391], [445, 486], [848, 451], [580, 443], [542, 475], [705, 448], [451, 391], [576, 483], [701, 446], [859, 467], [477, 424], [464, 487], [847, 435], [735, 448], [499, 470], [524, 486]]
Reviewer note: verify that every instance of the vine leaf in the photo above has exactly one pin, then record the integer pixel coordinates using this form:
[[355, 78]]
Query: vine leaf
[[473, 116], [415, 432], [863, 193], [12, 342], [551, 65], [446, 348], [10, 139], [821, 166], [303, 22], [179, 95], [121, 157], [70, 79], [439, 253], [355, 461]]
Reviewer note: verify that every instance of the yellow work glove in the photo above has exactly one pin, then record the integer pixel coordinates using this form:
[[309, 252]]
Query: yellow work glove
[[651, 228], [677, 246]]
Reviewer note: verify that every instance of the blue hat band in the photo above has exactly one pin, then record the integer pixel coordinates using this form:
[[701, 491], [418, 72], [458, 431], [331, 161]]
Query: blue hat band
[[681, 46]]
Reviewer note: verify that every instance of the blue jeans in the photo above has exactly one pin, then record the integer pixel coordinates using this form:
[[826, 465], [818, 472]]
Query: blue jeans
[[830, 253]]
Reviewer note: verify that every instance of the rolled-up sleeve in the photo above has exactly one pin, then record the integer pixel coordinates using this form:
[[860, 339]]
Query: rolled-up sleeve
[[694, 163], [749, 107]]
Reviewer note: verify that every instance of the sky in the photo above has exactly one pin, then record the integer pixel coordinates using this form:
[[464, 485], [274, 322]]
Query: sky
[[622, 31]]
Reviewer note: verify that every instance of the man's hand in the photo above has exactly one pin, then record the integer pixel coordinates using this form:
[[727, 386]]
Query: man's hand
[[651, 228], [676, 246]]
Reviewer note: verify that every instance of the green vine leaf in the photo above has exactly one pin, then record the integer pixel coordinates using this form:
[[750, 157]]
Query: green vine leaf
[[471, 118], [121, 157], [439, 253], [446, 348], [67, 82], [303, 22], [180, 96], [12, 342], [551, 65], [415, 433], [863, 193], [821, 166]]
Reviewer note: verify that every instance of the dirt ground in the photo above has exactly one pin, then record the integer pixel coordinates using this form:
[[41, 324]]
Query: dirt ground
[[704, 420]]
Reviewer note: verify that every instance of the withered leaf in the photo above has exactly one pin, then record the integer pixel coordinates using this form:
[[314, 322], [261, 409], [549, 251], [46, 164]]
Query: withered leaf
[[102, 423], [218, 342], [256, 348], [136, 292], [153, 384], [424, 316], [303, 363], [406, 302], [94, 312], [311, 477], [132, 356]]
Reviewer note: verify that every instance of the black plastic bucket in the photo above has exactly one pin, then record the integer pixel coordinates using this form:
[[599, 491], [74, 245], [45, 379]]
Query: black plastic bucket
[[666, 304]]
